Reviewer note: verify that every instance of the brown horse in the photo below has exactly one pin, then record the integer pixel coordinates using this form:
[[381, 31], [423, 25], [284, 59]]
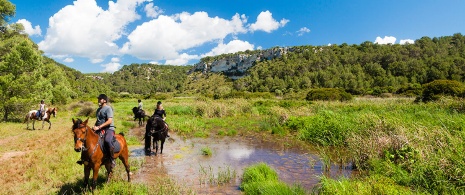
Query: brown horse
[[87, 142], [158, 129], [32, 115]]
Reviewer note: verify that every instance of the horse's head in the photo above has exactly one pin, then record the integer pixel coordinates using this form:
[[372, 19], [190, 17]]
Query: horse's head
[[54, 112], [157, 124], [80, 134], [134, 110]]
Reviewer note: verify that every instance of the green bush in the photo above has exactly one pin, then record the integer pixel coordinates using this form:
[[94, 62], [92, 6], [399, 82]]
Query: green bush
[[261, 179], [434, 90], [328, 94], [86, 111]]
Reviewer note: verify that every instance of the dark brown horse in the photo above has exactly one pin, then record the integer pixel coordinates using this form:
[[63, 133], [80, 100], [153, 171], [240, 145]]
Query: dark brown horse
[[139, 114], [32, 115], [158, 129], [87, 142]]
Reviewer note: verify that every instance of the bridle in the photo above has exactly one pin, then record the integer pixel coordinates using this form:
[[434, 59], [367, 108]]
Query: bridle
[[83, 140], [153, 130]]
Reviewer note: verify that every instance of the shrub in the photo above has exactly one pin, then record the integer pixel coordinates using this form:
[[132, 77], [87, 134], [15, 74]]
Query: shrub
[[261, 179], [86, 111], [434, 90], [328, 94], [206, 151]]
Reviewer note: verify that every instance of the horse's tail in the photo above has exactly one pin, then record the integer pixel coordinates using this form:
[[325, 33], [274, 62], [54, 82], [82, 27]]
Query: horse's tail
[[27, 117]]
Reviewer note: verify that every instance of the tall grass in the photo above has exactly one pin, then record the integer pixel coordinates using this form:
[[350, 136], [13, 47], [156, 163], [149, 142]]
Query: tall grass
[[417, 146], [262, 179]]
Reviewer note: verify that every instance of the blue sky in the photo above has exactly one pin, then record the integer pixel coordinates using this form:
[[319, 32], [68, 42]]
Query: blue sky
[[102, 36]]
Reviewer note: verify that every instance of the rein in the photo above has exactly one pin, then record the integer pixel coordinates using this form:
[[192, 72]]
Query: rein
[[85, 143]]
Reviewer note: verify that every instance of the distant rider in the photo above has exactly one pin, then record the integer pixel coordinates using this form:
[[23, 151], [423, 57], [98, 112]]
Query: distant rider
[[41, 111]]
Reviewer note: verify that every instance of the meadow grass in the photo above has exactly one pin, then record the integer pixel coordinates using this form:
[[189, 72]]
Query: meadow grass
[[398, 145]]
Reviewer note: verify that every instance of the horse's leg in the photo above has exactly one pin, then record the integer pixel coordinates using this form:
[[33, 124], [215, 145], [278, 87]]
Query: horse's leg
[[33, 122], [155, 145], [95, 175], [161, 145], [43, 122], [109, 171], [86, 175], [49, 124], [124, 157]]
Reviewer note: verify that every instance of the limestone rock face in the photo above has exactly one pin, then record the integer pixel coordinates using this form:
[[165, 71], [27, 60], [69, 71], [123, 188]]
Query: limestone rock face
[[236, 66]]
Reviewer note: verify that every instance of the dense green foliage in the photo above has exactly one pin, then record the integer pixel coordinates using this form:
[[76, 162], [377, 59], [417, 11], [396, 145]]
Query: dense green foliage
[[436, 89], [147, 79], [367, 68]]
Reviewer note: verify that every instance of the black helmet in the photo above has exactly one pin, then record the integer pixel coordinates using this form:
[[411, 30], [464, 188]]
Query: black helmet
[[103, 96], [159, 102], [42, 101], [138, 100]]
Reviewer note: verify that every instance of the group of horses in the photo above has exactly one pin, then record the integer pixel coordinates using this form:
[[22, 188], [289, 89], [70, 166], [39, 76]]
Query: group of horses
[[87, 142]]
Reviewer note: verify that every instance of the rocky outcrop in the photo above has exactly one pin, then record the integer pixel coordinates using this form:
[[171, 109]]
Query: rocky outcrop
[[235, 66]]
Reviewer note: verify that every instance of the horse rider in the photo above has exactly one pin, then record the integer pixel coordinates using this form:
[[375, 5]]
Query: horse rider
[[160, 112], [140, 107], [105, 122], [41, 111]]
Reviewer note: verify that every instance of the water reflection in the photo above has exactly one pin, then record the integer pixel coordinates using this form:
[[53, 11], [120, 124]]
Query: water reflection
[[294, 165]]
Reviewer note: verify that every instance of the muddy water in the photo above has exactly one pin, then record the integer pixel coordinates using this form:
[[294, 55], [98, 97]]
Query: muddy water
[[182, 159]]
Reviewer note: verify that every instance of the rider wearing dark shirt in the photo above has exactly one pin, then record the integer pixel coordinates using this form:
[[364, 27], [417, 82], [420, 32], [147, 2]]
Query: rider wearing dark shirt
[[160, 112]]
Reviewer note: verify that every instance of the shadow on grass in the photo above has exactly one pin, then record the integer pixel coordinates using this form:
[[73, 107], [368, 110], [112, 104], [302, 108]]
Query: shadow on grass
[[79, 188]]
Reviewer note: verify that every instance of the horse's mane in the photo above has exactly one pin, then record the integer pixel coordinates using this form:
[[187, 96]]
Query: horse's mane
[[77, 123], [157, 122]]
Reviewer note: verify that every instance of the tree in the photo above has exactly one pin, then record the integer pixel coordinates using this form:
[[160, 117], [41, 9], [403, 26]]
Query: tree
[[7, 10], [20, 76]]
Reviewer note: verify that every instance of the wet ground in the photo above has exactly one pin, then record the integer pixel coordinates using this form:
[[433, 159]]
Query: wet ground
[[182, 159]]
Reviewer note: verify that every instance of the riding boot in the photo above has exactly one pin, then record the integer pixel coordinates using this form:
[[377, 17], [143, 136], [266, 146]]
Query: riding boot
[[113, 163]]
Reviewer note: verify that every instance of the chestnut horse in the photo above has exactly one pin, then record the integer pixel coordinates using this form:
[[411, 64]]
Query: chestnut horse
[[87, 142], [158, 129], [32, 115], [139, 115]]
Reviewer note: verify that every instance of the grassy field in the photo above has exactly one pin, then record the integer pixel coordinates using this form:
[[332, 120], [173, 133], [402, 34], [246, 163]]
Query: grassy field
[[399, 146]]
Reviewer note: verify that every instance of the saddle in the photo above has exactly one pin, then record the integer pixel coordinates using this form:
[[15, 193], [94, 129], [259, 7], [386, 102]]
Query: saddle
[[114, 143]]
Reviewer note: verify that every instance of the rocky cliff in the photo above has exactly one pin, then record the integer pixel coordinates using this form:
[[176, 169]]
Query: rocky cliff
[[236, 65]]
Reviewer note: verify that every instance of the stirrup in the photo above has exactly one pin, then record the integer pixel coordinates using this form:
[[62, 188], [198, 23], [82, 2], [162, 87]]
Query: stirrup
[[80, 162]]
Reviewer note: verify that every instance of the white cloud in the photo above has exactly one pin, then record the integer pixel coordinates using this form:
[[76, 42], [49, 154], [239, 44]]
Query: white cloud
[[96, 60], [267, 23], [152, 11], [113, 66], [385, 40], [29, 29], [165, 37], [302, 31], [86, 30], [68, 60], [405, 41], [183, 59], [232, 47]]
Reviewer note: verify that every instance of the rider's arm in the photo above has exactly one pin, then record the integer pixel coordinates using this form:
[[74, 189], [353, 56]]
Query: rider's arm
[[106, 123]]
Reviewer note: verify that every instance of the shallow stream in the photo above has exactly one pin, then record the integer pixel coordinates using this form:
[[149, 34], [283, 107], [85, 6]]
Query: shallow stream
[[182, 159]]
